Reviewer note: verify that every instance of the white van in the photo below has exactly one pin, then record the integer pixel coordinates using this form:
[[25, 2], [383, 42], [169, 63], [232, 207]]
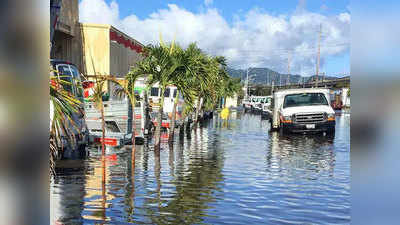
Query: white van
[[169, 98], [302, 110]]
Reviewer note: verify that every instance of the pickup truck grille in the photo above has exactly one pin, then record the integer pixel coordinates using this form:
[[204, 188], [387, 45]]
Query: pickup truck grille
[[309, 118]]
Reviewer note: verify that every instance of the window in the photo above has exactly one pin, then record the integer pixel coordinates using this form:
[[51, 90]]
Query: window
[[77, 81], [65, 75], [154, 92], [167, 92], [304, 99]]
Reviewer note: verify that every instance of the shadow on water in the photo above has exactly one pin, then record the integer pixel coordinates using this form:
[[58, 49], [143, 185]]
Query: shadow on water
[[224, 171]]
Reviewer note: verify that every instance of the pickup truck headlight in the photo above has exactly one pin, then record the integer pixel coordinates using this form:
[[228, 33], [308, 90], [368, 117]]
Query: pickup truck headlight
[[331, 116]]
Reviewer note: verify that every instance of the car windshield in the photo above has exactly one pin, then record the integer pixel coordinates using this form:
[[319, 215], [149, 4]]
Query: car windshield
[[304, 99]]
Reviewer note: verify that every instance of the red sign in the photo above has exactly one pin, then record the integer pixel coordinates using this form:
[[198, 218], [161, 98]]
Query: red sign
[[126, 42]]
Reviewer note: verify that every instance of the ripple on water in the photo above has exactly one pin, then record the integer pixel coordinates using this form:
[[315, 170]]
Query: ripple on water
[[226, 173]]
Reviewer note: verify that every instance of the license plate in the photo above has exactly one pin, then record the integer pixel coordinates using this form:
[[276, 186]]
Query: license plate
[[310, 126]]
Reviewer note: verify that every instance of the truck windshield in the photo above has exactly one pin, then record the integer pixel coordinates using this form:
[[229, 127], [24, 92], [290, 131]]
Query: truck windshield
[[65, 74], [304, 99]]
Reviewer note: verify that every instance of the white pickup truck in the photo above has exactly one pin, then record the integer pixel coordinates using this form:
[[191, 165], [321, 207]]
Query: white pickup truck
[[303, 110]]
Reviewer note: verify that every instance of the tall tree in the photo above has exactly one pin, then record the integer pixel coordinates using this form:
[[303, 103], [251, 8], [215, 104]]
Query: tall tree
[[161, 65]]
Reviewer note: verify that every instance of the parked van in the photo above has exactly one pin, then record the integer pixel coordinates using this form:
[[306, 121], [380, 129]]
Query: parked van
[[67, 72], [303, 110], [169, 98]]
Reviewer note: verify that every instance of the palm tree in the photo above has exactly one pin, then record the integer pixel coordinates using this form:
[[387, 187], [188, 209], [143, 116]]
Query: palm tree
[[97, 97], [161, 65], [215, 78], [182, 79], [201, 72], [62, 107], [127, 88], [230, 87]]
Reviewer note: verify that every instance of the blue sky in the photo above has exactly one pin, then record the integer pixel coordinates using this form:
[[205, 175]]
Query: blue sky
[[235, 28], [229, 8]]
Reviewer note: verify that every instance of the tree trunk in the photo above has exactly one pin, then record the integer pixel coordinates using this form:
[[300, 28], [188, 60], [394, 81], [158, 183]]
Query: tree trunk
[[172, 129], [224, 102], [103, 129], [197, 112], [133, 122], [182, 129], [159, 120]]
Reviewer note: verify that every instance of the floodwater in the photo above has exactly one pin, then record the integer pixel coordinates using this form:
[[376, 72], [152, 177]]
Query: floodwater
[[234, 172]]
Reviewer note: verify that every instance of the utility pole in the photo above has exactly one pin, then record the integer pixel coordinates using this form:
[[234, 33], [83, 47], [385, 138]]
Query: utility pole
[[288, 78], [318, 54], [247, 84], [272, 88]]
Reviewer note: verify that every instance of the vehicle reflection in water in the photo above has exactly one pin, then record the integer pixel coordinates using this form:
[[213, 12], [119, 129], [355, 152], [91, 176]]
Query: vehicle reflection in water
[[300, 155], [227, 171]]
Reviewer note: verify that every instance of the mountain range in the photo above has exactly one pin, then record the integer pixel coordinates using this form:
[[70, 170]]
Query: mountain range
[[267, 76]]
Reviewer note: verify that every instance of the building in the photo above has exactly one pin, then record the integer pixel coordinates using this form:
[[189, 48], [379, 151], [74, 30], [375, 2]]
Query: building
[[96, 49], [108, 51], [67, 41]]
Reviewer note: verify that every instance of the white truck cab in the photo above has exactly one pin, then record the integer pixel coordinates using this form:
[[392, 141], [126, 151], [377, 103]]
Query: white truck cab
[[302, 110]]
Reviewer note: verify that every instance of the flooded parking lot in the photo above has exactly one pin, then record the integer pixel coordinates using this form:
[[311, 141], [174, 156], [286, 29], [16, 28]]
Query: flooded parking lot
[[228, 172]]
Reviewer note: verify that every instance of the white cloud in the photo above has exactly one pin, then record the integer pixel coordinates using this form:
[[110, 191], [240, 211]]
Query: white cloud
[[256, 39], [208, 2]]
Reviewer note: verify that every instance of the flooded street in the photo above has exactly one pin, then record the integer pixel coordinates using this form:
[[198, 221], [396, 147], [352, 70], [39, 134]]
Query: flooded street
[[234, 172]]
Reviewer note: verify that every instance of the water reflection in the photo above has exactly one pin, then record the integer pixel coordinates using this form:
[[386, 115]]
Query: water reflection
[[303, 156], [231, 171]]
